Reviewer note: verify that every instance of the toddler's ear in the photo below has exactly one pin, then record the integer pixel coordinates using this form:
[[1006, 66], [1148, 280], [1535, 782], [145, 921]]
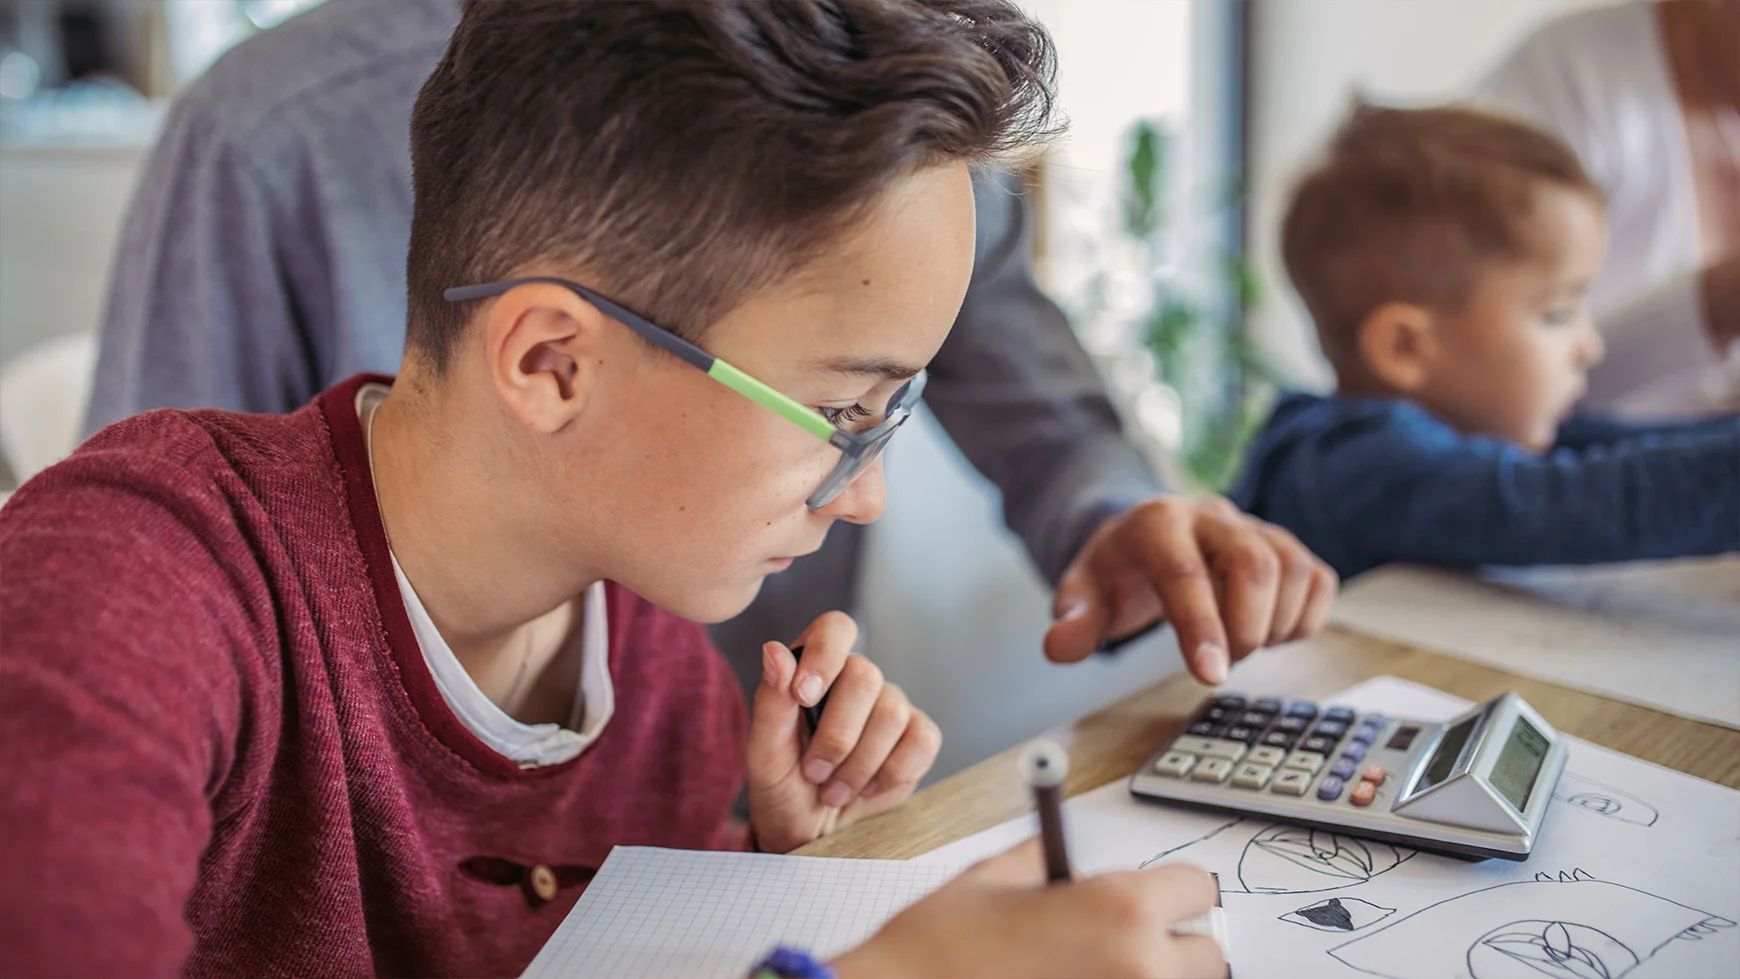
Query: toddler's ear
[[1397, 346]]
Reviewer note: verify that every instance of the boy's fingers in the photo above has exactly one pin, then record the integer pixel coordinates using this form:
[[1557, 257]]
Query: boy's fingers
[[888, 721], [1198, 955], [1175, 892], [827, 644], [910, 759], [773, 739], [1022, 865], [850, 702]]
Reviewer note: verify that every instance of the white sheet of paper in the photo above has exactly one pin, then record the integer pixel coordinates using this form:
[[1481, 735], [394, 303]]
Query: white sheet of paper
[[653, 913], [1637, 873], [1586, 628]]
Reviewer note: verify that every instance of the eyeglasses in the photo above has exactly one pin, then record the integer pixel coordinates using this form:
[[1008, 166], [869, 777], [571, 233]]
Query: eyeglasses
[[858, 450]]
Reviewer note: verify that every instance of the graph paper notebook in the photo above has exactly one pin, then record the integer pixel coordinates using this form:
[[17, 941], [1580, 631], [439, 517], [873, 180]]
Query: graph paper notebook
[[685, 914]]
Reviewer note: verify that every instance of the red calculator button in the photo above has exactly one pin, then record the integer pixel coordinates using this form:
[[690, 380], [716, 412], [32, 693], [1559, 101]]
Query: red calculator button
[[1374, 773], [1362, 794]]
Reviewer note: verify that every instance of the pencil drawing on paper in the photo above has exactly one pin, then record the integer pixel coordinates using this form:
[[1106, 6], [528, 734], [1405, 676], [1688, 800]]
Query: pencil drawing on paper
[[1605, 800], [1211, 834], [1341, 914], [1284, 859], [1571, 926]]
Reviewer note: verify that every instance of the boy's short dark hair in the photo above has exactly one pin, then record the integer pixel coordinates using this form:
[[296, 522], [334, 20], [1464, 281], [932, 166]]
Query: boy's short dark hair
[[689, 152], [1410, 205]]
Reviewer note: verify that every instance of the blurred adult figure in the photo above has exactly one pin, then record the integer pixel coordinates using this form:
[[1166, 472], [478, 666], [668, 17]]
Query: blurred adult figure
[[1648, 94]]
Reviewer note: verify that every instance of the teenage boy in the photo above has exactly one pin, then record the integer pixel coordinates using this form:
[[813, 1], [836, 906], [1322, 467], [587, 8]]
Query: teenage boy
[[1445, 255], [281, 186], [373, 687]]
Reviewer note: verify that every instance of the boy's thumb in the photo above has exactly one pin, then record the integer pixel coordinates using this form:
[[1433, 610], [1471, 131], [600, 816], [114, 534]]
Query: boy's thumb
[[773, 743]]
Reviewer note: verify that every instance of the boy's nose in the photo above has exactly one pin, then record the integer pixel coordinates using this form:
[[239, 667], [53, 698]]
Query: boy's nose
[[863, 499]]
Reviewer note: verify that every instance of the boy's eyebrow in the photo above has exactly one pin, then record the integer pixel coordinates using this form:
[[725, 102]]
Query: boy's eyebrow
[[870, 367]]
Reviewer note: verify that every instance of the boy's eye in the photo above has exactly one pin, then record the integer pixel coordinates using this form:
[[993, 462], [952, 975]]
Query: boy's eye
[[1559, 315], [844, 417]]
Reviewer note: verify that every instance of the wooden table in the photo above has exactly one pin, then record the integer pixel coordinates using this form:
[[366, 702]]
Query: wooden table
[[1109, 744]]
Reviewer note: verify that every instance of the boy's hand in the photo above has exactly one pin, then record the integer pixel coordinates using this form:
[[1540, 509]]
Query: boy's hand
[[1000, 919], [870, 749], [1228, 582]]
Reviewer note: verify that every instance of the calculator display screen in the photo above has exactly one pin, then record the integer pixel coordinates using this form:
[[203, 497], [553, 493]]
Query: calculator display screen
[[1444, 759], [1513, 775]]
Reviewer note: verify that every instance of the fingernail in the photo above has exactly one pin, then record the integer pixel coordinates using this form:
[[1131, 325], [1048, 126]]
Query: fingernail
[[817, 770], [809, 690], [1071, 609], [871, 788], [1211, 662], [836, 795]]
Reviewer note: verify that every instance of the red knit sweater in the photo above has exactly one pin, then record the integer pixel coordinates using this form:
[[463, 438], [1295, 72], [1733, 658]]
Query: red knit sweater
[[222, 754]]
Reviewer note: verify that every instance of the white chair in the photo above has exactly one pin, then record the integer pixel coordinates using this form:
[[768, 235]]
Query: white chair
[[43, 395]]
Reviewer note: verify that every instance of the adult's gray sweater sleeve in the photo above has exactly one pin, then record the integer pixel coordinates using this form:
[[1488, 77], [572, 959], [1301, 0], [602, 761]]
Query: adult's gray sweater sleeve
[[199, 310], [1016, 391]]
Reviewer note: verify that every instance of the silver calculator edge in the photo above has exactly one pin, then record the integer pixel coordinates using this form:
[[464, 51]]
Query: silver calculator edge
[[1379, 824]]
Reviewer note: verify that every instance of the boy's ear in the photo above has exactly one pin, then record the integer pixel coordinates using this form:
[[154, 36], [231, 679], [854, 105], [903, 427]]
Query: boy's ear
[[542, 343], [1398, 344]]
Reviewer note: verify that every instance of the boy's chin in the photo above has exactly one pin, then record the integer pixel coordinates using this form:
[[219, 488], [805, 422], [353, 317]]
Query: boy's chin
[[718, 605]]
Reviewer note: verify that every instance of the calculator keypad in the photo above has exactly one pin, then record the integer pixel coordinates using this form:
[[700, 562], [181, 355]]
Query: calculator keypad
[[1278, 746]]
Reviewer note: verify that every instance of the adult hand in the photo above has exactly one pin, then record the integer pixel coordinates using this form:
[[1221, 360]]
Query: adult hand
[[869, 751], [1228, 582], [1000, 919]]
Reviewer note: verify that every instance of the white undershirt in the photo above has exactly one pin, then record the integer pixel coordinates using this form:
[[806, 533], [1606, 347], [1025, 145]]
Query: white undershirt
[[529, 745], [1600, 80]]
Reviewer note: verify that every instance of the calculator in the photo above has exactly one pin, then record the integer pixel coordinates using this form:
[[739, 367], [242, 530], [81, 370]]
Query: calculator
[[1475, 786]]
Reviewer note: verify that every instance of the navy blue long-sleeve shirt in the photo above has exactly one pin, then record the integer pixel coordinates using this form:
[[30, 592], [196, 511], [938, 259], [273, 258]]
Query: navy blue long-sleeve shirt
[[1369, 481]]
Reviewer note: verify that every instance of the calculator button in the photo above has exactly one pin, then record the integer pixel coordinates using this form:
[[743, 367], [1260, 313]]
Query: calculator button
[[1210, 747], [1292, 724], [1374, 720], [1373, 773], [1403, 738], [1242, 733], [1308, 761], [1362, 794], [1231, 701], [1267, 755], [1319, 744], [1175, 763], [1270, 704], [1254, 718], [1302, 708], [1330, 789], [1353, 751], [1363, 735], [1251, 776], [1216, 714], [1330, 729], [1291, 781], [1206, 729], [1343, 768], [1279, 739], [1211, 770], [1341, 714]]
